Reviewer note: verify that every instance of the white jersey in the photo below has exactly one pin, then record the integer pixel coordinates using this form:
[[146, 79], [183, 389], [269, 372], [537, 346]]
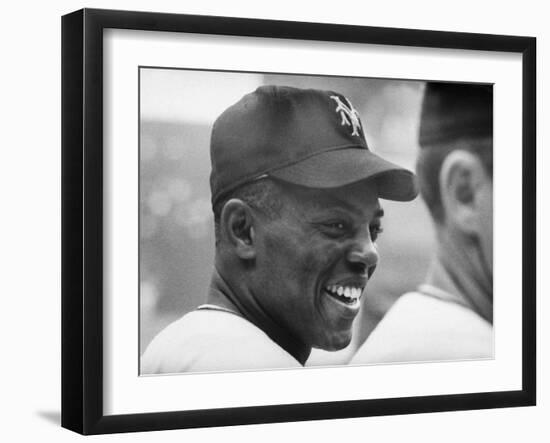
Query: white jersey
[[424, 327], [213, 340]]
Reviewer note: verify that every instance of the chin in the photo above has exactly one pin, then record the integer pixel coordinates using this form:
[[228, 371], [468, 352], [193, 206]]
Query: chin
[[336, 343]]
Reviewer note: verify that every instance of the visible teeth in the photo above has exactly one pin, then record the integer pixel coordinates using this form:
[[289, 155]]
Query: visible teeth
[[345, 291]]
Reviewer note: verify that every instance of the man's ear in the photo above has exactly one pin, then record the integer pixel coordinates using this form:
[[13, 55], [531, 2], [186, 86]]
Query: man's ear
[[462, 183], [238, 227]]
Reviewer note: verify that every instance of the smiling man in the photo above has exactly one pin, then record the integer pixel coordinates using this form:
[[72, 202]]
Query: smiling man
[[295, 195]]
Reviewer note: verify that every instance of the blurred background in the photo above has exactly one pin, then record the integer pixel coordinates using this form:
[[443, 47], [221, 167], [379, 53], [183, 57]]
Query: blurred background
[[177, 109]]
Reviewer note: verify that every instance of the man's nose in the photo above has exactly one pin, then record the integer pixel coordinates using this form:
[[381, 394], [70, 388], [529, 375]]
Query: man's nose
[[363, 251]]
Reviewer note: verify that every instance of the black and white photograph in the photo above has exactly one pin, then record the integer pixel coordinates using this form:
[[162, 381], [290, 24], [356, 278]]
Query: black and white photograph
[[275, 222], [290, 221], [282, 221]]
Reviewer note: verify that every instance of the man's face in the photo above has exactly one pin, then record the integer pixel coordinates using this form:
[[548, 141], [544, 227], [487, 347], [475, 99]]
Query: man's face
[[313, 262]]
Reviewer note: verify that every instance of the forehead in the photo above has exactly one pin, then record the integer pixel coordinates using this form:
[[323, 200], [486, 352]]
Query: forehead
[[360, 199]]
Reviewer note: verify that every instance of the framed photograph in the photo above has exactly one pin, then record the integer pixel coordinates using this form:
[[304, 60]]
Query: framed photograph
[[271, 221]]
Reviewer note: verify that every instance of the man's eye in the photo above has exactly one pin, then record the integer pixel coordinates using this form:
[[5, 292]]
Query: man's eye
[[334, 229], [375, 231]]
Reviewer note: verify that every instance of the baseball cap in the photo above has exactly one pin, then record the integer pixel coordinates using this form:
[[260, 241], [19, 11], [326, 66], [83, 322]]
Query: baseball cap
[[455, 110], [306, 137]]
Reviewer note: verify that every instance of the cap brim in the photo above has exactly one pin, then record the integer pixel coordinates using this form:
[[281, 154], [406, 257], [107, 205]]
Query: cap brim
[[332, 169]]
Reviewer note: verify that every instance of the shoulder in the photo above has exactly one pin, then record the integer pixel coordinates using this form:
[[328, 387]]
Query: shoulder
[[422, 328], [209, 340]]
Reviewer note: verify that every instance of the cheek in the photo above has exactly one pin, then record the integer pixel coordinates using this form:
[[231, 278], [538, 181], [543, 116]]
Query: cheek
[[487, 227], [303, 259], [488, 240], [307, 256]]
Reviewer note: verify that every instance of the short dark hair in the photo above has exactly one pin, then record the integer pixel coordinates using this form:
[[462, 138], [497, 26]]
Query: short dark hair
[[263, 194], [430, 159]]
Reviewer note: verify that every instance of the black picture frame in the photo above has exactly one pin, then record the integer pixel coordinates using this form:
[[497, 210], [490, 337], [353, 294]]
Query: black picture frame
[[82, 220]]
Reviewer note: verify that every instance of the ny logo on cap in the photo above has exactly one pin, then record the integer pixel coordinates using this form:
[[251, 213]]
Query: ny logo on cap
[[350, 117]]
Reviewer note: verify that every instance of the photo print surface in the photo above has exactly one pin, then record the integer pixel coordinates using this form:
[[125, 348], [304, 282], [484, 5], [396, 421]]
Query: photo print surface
[[291, 221]]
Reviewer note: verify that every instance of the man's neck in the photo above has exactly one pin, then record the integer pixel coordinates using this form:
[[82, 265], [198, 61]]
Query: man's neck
[[459, 269], [241, 301]]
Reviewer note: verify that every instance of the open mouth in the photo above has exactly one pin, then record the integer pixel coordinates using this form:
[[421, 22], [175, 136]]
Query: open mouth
[[348, 295]]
